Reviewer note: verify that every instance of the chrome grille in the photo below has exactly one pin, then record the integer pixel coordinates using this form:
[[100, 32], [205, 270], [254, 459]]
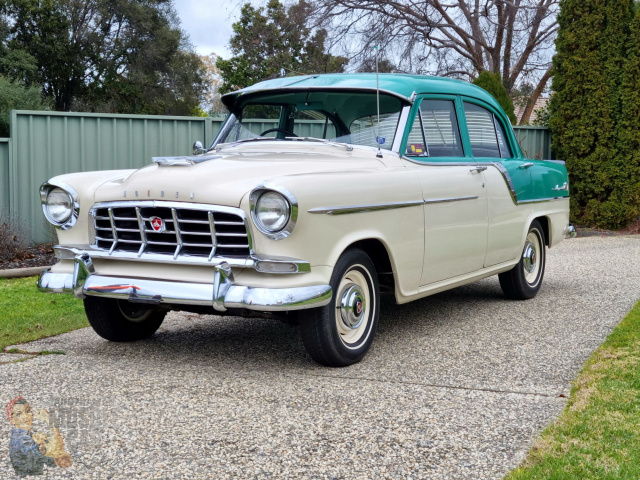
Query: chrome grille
[[203, 232]]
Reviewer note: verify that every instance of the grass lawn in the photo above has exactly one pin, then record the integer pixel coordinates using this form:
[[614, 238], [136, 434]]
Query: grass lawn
[[27, 314], [598, 434]]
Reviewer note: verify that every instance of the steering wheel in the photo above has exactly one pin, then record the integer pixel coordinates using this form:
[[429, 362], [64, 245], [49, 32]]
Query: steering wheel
[[291, 134]]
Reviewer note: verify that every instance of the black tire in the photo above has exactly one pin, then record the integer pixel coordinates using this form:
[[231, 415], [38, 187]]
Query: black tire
[[338, 337], [525, 279], [122, 321]]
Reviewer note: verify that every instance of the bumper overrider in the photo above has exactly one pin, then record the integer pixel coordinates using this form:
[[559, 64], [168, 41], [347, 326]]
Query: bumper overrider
[[222, 294]]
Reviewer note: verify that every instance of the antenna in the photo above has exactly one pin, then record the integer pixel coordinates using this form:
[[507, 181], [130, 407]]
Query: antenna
[[378, 139]]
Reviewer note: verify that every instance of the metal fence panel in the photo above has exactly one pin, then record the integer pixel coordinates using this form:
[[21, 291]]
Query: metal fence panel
[[535, 142], [45, 144], [5, 183]]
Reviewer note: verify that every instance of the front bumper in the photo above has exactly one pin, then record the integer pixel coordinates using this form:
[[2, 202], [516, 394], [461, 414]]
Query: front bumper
[[222, 294]]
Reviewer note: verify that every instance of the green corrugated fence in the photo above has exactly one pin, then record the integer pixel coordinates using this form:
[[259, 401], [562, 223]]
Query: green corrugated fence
[[45, 144], [535, 142], [5, 183]]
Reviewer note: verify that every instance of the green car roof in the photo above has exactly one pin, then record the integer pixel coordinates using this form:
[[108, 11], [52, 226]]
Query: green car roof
[[400, 85]]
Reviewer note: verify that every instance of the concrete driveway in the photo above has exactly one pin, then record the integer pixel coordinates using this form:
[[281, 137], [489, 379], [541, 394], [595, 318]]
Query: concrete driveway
[[456, 386]]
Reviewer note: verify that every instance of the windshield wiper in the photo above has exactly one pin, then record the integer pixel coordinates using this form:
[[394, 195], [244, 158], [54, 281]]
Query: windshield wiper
[[322, 140]]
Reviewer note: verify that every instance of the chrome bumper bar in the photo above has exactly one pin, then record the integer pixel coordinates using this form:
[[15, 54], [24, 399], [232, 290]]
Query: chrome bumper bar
[[221, 295], [570, 231]]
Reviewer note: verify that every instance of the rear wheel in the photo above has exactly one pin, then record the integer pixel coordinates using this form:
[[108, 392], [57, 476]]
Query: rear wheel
[[340, 333], [525, 279], [122, 321]]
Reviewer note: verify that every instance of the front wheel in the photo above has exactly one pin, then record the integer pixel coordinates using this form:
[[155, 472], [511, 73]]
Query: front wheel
[[525, 279], [122, 321], [340, 333]]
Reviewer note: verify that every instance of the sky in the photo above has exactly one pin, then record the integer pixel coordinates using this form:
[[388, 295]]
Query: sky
[[208, 23]]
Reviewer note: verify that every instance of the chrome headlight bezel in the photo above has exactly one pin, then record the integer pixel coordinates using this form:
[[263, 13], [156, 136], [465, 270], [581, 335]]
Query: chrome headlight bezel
[[45, 189], [289, 198]]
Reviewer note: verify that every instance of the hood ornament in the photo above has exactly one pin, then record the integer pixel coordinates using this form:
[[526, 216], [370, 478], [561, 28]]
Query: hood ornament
[[184, 161]]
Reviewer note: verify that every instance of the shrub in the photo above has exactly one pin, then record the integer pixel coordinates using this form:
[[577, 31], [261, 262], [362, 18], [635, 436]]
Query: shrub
[[14, 235]]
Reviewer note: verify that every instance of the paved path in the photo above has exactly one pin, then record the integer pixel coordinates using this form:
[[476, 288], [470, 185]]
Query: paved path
[[456, 385]]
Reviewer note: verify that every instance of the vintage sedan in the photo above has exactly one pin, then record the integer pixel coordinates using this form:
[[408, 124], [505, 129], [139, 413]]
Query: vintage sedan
[[318, 194]]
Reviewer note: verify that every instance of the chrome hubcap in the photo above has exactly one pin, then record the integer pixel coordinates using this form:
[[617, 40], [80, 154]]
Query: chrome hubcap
[[352, 307], [529, 257], [533, 258]]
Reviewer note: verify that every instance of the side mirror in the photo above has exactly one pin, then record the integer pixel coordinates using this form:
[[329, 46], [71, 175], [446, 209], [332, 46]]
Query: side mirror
[[198, 149]]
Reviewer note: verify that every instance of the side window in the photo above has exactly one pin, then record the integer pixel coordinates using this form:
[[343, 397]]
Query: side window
[[435, 131], [505, 151], [485, 133]]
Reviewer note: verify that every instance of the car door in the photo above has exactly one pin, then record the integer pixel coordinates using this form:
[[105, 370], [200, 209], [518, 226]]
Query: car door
[[455, 200], [507, 179]]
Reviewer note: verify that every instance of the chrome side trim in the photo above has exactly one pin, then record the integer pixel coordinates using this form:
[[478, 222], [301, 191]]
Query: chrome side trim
[[452, 199], [73, 219], [293, 214], [222, 294], [341, 210], [507, 179], [543, 200], [345, 209]]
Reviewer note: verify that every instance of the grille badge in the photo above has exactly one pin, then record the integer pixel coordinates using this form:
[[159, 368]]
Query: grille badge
[[157, 224]]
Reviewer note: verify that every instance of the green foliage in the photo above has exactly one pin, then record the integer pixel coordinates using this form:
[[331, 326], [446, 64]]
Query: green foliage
[[272, 42], [586, 109], [492, 83], [126, 56], [15, 96]]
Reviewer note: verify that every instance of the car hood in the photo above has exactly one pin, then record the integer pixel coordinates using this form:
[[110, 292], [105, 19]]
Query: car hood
[[236, 170]]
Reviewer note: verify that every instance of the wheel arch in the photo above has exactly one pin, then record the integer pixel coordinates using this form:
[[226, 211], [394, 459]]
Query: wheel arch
[[381, 258], [544, 222]]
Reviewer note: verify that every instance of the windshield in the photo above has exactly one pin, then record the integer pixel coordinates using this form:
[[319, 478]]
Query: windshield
[[343, 117]]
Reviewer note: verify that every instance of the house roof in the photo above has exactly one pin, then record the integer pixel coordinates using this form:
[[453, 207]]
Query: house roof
[[399, 85]]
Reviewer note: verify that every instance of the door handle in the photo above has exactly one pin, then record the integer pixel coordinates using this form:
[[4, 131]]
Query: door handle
[[526, 165], [478, 169], [565, 186]]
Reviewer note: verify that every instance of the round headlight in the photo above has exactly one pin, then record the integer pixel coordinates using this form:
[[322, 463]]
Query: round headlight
[[59, 205], [272, 211]]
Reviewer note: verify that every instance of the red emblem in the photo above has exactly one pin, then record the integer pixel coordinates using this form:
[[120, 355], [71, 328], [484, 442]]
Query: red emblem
[[157, 224], [358, 307]]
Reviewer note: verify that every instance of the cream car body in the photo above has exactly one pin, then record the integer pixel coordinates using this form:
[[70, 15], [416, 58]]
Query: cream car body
[[427, 223]]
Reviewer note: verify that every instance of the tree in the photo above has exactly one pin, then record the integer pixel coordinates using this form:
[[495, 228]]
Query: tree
[[103, 55], [15, 96], [492, 83], [384, 65], [586, 107], [461, 38], [628, 133], [213, 81], [273, 41]]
